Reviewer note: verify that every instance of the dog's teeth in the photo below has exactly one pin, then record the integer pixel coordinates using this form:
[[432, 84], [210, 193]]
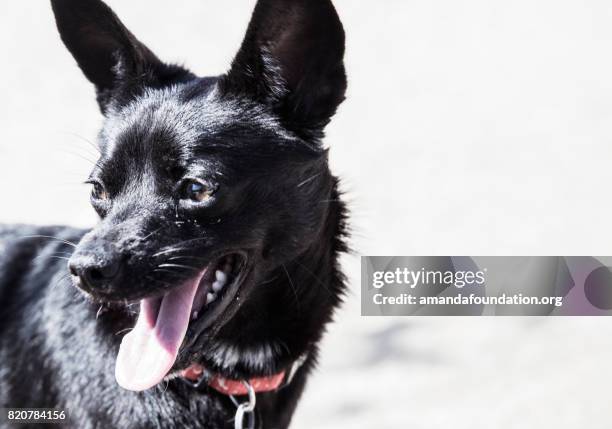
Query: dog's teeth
[[221, 277], [194, 316], [217, 286], [210, 297]]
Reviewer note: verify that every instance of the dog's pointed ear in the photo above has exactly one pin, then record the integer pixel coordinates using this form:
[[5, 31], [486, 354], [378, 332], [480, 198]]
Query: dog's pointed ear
[[106, 51], [293, 57]]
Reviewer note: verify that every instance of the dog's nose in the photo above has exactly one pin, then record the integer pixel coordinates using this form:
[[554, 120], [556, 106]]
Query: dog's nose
[[96, 270]]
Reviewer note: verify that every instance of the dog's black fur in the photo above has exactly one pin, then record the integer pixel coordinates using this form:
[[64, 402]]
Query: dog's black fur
[[253, 138]]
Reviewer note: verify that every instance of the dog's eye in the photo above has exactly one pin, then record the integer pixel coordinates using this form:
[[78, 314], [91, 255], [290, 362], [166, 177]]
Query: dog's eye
[[197, 191], [98, 192]]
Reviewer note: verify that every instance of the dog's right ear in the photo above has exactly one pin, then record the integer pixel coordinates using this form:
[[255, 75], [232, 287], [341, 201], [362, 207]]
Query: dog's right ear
[[292, 58], [106, 51]]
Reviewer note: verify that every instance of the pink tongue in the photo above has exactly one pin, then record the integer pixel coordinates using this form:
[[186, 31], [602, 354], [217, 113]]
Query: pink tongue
[[148, 352]]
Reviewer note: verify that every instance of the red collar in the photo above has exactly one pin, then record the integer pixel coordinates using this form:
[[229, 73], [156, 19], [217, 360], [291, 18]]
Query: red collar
[[196, 373]]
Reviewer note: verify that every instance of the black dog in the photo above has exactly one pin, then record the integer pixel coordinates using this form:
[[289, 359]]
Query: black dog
[[216, 256]]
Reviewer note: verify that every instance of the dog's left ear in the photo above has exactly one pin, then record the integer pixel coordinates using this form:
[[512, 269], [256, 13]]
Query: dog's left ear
[[106, 51], [292, 58]]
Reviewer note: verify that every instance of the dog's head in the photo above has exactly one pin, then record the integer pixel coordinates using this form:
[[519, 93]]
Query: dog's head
[[204, 186]]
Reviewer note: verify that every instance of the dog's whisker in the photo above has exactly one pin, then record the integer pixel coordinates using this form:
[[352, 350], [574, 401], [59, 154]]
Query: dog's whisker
[[297, 300], [310, 179], [60, 280], [84, 158], [195, 258], [317, 279], [58, 257], [166, 251], [94, 162], [177, 266], [89, 142], [100, 310], [70, 243], [179, 246], [268, 281], [55, 255], [161, 270], [193, 240], [72, 148], [121, 331], [284, 345], [150, 234]]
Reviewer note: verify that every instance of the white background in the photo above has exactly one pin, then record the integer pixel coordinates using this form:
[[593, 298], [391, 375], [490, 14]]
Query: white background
[[470, 128]]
